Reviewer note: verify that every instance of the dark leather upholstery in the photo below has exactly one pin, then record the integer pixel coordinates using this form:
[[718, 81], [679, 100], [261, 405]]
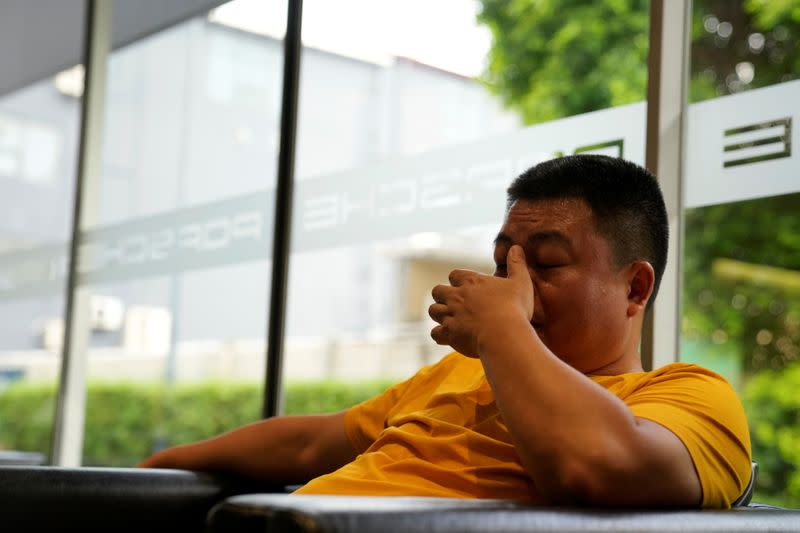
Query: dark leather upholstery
[[120, 499], [287, 513], [111, 499]]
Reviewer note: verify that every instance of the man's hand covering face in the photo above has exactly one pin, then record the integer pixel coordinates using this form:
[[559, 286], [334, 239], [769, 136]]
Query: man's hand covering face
[[475, 305]]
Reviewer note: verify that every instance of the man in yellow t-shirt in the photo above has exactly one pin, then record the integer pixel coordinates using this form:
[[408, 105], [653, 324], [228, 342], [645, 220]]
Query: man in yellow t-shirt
[[544, 399]]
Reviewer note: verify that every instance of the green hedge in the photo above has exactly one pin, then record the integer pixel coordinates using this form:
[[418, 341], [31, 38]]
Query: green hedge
[[125, 422], [772, 400]]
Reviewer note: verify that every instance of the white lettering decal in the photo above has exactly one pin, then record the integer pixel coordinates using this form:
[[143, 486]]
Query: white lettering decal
[[217, 234], [160, 245], [247, 225], [135, 249], [320, 212], [397, 198], [443, 189]]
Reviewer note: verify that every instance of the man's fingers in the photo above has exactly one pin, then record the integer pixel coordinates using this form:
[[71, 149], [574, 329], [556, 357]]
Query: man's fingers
[[440, 293], [439, 335], [459, 276], [438, 312]]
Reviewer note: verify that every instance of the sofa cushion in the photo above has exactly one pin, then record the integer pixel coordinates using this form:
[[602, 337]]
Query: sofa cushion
[[113, 499], [292, 513]]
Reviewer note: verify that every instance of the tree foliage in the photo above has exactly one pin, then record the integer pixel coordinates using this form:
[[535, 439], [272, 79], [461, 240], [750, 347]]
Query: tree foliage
[[773, 407], [555, 58], [755, 318]]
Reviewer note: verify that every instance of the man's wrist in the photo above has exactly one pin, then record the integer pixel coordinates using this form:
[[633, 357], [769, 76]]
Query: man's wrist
[[497, 332]]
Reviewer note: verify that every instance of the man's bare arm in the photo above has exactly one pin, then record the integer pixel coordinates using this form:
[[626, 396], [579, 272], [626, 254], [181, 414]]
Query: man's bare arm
[[287, 449], [578, 442]]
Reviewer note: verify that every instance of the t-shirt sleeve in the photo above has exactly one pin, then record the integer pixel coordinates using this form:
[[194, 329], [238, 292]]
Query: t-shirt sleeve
[[703, 410], [365, 421]]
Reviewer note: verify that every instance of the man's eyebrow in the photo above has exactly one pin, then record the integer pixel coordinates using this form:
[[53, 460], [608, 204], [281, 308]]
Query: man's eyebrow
[[553, 236], [502, 238]]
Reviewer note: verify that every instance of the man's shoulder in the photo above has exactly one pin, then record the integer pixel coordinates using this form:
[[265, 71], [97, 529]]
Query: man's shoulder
[[666, 373], [688, 387], [453, 362], [674, 379], [686, 373], [451, 371]]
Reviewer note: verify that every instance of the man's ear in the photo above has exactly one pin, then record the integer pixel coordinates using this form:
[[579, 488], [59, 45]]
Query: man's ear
[[641, 282]]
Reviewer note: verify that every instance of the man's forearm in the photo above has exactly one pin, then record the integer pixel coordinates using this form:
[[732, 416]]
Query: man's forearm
[[563, 424], [283, 450]]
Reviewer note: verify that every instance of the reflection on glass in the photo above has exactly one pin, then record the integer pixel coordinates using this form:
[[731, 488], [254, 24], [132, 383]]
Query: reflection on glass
[[39, 129], [176, 257], [738, 46], [403, 179], [741, 266], [742, 319], [357, 303]]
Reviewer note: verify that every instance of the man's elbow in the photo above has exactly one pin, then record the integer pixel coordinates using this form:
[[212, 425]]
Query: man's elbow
[[600, 476], [615, 484], [307, 461], [574, 482]]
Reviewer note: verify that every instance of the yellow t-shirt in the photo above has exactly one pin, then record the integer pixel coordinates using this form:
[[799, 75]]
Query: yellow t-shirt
[[440, 433]]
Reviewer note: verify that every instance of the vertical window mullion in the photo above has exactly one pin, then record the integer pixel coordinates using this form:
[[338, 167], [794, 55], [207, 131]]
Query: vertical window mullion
[[292, 47], [666, 123], [67, 446]]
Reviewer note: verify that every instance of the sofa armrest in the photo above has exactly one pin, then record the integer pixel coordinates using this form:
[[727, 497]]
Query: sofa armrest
[[114, 499], [345, 514]]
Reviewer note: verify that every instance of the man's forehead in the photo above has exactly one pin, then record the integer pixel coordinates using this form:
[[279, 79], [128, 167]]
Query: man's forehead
[[567, 222], [534, 237], [549, 214]]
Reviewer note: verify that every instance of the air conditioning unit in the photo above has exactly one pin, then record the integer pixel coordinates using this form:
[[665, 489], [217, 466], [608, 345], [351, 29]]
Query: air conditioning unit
[[106, 313], [148, 330], [53, 335]]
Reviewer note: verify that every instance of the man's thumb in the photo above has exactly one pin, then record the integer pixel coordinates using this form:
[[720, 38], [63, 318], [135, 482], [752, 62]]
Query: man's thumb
[[515, 262]]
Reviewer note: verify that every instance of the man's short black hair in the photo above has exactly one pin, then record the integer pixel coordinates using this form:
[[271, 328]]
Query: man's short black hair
[[625, 199]]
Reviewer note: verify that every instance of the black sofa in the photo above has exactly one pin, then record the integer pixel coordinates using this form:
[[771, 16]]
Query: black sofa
[[40, 498], [117, 499]]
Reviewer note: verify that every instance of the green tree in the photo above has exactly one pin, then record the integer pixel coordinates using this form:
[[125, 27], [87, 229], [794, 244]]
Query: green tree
[[756, 315], [555, 58]]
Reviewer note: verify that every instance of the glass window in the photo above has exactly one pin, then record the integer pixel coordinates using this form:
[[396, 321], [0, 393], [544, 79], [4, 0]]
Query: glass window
[[739, 45], [174, 259], [741, 269], [39, 136], [408, 138]]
